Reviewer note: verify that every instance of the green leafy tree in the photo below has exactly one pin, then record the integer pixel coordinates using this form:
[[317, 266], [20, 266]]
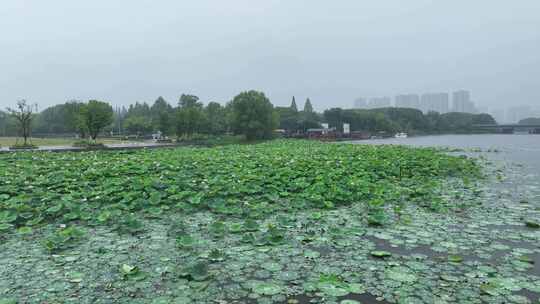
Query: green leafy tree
[[4, 122], [23, 114], [96, 115], [335, 118], [161, 116], [137, 125], [530, 121], [74, 120], [216, 117], [59, 119], [187, 101], [288, 119], [253, 115], [190, 118]]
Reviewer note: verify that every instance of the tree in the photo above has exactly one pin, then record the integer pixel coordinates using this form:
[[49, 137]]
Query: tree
[[308, 107], [253, 115], [3, 123], [96, 115], [288, 119], [23, 115], [188, 101], [530, 121], [74, 119], [216, 117], [293, 105], [334, 118], [161, 115], [137, 125], [190, 117]]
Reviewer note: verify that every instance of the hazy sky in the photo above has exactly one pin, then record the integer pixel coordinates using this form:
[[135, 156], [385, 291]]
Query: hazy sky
[[124, 51]]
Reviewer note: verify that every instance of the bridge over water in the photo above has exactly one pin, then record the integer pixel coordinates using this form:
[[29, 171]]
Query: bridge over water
[[510, 128]]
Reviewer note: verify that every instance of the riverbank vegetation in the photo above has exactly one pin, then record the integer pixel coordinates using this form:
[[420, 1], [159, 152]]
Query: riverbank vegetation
[[530, 121], [392, 120]]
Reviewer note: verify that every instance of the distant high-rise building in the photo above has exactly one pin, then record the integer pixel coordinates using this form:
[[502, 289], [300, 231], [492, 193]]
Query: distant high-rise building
[[379, 102], [515, 114], [408, 101], [462, 102], [435, 102], [360, 103]]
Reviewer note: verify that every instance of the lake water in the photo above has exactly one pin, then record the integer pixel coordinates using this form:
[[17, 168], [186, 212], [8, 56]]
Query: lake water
[[522, 149]]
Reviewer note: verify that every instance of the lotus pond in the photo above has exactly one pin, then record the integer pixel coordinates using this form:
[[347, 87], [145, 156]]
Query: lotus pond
[[279, 222]]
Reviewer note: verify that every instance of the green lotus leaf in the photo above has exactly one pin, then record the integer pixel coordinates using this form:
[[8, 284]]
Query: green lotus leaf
[[311, 254], [5, 227], [186, 241], [525, 259], [401, 274], [271, 266], [332, 289], [356, 288], [380, 254], [455, 258], [251, 225], [216, 255], [535, 224], [7, 217], [25, 230], [196, 271], [266, 288], [55, 208], [128, 269]]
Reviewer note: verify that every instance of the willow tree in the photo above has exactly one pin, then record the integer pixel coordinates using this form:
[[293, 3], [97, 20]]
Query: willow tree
[[23, 116]]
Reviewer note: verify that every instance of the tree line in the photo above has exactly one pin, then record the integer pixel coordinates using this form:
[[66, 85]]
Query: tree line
[[392, 120], [249, 113]]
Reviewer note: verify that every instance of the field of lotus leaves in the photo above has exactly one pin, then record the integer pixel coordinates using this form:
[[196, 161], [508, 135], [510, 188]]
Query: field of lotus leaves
[[277, 222]]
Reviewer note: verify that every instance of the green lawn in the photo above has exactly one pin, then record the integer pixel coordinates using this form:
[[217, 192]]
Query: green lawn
[[10, 141]]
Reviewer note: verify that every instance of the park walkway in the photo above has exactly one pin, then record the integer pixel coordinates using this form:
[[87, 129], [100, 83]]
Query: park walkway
[[119, 146]]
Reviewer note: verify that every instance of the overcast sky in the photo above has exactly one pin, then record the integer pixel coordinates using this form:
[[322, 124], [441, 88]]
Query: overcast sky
[[124, 51]]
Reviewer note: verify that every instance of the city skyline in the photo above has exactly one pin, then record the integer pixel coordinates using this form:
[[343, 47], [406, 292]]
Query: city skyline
[[426, 102], [442, 103]]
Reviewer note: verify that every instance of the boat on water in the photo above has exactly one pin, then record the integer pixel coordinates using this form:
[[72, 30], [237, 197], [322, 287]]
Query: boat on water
[[401, 135]]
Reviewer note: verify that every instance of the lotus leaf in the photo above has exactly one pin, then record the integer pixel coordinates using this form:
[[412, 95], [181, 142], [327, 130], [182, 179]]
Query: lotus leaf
[[266, 288]]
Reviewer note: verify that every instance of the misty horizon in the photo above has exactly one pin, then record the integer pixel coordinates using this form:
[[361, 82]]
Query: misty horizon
[[124, 53]]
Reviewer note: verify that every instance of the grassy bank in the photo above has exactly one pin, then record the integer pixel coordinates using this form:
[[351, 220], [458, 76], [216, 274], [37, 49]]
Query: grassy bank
[[44, 142]]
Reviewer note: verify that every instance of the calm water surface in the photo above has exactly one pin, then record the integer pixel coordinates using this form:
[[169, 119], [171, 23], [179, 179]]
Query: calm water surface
[[522, 149]]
